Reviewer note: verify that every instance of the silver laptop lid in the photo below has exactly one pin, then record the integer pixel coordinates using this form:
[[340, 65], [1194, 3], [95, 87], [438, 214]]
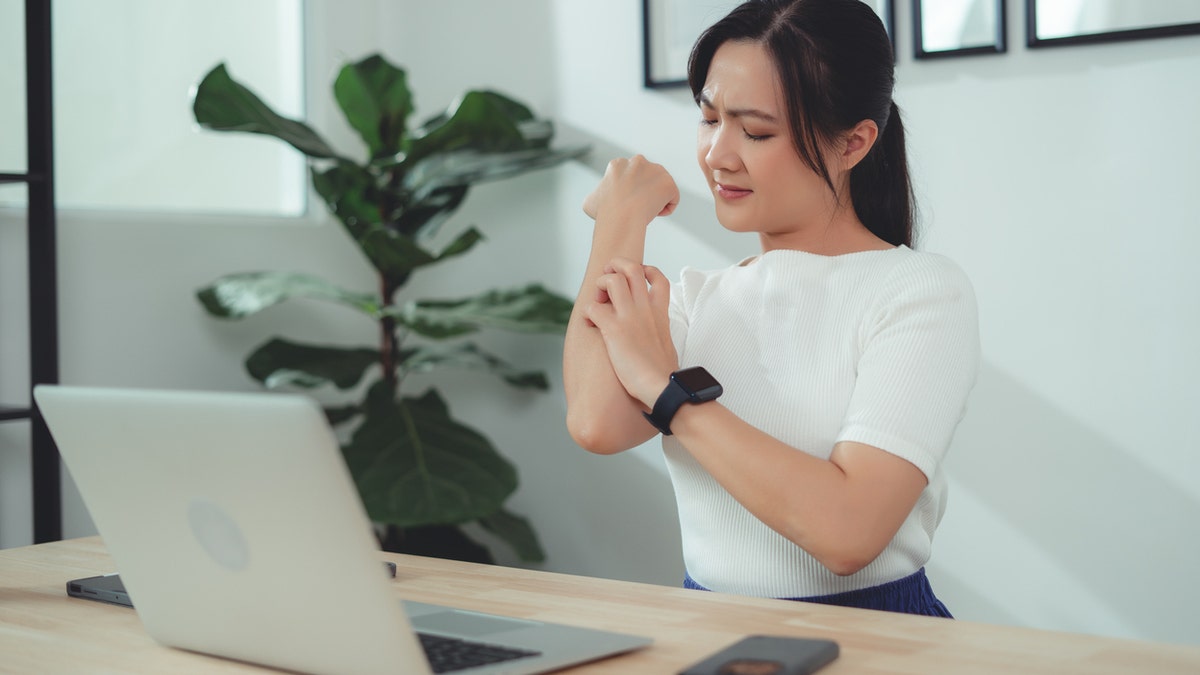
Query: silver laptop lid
[[220, 510]]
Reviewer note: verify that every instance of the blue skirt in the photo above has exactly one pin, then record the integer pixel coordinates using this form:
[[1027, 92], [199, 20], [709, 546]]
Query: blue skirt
[[909, 595]]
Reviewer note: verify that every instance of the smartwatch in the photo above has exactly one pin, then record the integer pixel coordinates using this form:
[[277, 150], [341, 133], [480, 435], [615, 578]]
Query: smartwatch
[[690, 385]]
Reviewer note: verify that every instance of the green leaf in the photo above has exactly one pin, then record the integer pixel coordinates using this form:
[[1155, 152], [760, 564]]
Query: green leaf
[[423, 216], [223, 104], [280, 362], [537, 132], [415, 465], [531, 309], [514, 110], [237, 295], [463, 243], [466, 167], [396, 255], [342, 414], [375, 98], [350, 193], [393, 254], [469, 356], [485, 136], [483, 121], [516, 532]]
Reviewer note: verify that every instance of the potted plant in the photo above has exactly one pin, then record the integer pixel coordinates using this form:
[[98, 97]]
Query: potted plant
[[420, 472]]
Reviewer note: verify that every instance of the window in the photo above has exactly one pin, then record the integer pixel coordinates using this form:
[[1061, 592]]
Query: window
[[125, 138], [12, 93]]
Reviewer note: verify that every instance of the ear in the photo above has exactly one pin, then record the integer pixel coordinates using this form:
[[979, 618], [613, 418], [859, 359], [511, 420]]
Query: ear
[[857, 143]]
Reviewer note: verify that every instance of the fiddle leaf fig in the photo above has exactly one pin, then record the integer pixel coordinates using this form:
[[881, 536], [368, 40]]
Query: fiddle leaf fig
[[280, 362], [469, 356], [424, 215], [466, 167], [463, 243], [531, 309], [343, 413], [351, 194], [398, 255], [221, 104], [375, 98], [483, 121], [238, 295], [415, 465], [517, 532], [393, 254]]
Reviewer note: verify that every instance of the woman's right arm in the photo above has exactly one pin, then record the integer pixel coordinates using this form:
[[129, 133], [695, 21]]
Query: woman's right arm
[[601, 416]]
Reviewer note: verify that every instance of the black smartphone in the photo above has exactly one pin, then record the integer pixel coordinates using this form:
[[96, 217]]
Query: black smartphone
[[767, 655]]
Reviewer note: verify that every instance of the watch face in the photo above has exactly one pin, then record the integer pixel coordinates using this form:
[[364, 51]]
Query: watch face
[[699, 383]]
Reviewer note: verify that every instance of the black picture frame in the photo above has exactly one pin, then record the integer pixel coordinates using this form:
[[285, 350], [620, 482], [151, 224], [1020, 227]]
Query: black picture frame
[[1116, 34], [998, 45], [655, 38]]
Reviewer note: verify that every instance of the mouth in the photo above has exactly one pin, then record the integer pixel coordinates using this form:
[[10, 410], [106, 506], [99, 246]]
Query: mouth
[[731, 191]]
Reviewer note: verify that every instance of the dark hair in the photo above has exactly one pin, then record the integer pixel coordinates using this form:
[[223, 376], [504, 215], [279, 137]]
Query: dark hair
[[835, 62]]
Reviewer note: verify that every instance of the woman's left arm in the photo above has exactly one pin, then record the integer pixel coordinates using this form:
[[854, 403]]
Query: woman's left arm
[[843, 511]]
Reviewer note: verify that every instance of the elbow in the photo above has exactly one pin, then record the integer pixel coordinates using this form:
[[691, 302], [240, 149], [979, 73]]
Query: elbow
[[845, 566], [843, 558], [591, 436], [848, 558]]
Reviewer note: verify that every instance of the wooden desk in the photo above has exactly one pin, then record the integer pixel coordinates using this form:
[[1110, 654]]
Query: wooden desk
[[44, 631]]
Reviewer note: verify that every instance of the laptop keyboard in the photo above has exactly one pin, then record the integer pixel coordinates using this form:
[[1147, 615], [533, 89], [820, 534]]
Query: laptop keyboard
[[447, 655]]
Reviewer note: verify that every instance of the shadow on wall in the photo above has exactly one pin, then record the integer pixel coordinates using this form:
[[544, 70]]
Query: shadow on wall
[[1052, 525]]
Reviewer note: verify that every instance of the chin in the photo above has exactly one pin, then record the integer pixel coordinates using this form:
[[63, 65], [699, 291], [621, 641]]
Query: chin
[[735, 222], [733, 227]]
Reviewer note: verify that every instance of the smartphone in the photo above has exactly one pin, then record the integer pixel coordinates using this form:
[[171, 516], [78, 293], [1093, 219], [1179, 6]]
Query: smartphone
[[106, 588], [767, 655]]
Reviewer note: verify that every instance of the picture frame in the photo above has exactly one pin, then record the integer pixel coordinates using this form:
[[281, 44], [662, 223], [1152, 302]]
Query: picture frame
[[1049, 24], [670, 27], [947, 28]]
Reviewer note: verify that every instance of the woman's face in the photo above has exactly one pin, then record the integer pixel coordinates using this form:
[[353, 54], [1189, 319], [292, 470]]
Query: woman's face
[[746, 151]]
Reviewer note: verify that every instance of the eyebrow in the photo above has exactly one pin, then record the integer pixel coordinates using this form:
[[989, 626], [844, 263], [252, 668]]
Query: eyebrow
[[704, 102]]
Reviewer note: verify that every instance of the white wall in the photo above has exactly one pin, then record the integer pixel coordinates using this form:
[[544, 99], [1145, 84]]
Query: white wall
[[1060, 180], [1076, 481]]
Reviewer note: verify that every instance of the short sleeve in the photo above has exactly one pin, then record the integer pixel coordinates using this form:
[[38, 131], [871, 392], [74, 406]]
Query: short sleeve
[[683, 302], [919, 360]]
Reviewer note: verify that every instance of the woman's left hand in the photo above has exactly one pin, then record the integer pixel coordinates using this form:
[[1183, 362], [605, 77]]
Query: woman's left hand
[[630, 310]]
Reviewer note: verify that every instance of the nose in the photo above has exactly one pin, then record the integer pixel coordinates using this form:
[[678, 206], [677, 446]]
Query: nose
[[720, 153]]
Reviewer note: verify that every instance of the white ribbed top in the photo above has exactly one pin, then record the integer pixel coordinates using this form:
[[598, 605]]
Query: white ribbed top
[[878, 347]]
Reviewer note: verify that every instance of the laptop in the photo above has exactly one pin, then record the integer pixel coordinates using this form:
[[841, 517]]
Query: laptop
[[237, 531]]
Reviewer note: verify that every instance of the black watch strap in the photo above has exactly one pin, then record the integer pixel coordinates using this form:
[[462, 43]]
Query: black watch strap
[[689, 385]]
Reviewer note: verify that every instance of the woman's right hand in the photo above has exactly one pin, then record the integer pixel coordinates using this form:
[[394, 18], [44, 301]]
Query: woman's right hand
[[633, 189]]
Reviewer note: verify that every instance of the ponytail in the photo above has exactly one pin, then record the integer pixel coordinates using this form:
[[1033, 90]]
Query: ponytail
[[880, 188]]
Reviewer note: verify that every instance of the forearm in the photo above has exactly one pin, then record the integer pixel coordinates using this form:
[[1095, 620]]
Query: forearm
[[842, 511], [601, 416]]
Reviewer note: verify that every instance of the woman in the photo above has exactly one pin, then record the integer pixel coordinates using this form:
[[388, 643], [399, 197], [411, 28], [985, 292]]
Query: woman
[[841, 357]]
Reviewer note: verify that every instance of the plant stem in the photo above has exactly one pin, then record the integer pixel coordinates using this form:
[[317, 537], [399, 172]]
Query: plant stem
[[388, 348]]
